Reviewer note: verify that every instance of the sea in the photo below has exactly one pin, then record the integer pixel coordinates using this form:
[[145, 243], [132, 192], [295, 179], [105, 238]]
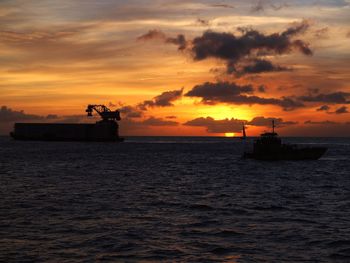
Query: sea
[[172, 199]]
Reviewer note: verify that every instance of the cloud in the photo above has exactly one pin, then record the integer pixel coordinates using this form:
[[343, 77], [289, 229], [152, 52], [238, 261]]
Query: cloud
[[257, 6], [341, 110], [323, 108], [218, 91], [179, 40], [327, 122], [250, 45], [227, 46], [9, 115], [261, 5], [335, 98], [231, 93], [324, 128], [256, 66], [222, 6], [165, 99], [217, 126], [277, 7], [202, 22], [267, 122], [322, 33], [153, 121], [262, 88], [130, 112], [243, 51], [145, 127], [152, 34]]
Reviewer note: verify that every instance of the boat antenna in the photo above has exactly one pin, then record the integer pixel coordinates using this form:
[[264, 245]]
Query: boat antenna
[[273, 126]]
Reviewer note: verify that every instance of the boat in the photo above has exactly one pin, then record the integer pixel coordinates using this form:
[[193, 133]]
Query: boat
[[269, 147], [103, 130]]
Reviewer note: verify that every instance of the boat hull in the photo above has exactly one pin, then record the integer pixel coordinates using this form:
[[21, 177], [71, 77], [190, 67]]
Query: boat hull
[[310, 153]]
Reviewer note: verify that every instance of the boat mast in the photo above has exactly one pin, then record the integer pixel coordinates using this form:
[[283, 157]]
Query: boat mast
[[243, 132], [273, 126]]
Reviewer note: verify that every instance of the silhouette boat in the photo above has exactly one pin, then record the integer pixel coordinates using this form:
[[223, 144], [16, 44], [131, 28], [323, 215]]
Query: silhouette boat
[[269, 147]]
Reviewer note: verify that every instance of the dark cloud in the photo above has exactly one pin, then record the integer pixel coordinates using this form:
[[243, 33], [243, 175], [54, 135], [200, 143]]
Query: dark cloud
[[258, 6], [152, 34], [217, 126], [335, 98], [179, 40], [144, 128], [261, 5], [267, 122], [321, 33], [327, 122], [165, 99], [153, 121], [262, 88], [130, 112], [171, 117], [9, 115], [239, 49], [231, 93], [311, 90], [218, 91], [341, 110], [256, 66], [319, 128], [52, 117], [323, 108], [277, 7], [242, 53], [202, 22], [222, 5]]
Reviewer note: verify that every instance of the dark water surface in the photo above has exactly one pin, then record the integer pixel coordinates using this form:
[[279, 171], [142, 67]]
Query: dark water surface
[[171, 199]]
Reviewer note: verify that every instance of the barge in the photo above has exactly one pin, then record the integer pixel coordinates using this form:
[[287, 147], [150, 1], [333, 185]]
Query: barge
[[106, 129]]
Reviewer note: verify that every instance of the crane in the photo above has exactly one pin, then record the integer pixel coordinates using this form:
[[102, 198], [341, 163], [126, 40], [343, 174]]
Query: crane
[[105, 113]]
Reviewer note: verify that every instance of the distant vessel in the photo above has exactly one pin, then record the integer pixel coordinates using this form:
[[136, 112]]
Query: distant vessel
[[103, 130], [270, 147]]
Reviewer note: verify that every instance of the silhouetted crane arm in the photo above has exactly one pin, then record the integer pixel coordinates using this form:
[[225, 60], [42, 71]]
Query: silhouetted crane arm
[[105, 113]]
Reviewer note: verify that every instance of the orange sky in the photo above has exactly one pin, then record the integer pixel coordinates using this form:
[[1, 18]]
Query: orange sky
[[58, 56]]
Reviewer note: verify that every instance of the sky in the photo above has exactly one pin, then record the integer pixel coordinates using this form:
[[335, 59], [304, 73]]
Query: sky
[[179, 68]]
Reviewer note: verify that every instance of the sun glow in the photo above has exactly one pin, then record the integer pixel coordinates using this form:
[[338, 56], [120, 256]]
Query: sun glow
[[229, 134]]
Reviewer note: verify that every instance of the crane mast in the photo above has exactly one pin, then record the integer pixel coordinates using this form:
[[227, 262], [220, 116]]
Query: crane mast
[[105, 113]]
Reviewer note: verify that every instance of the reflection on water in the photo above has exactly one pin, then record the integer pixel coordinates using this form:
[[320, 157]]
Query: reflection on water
[[171, 199]]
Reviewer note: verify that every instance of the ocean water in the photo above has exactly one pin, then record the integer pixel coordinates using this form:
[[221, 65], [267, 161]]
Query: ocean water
[[178, 199]]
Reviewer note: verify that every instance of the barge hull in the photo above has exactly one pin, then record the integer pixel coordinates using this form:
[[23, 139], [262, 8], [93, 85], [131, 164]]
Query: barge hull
[[100, 131]]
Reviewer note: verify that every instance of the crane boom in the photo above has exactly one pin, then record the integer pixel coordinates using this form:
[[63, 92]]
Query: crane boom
[[105, 113]]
